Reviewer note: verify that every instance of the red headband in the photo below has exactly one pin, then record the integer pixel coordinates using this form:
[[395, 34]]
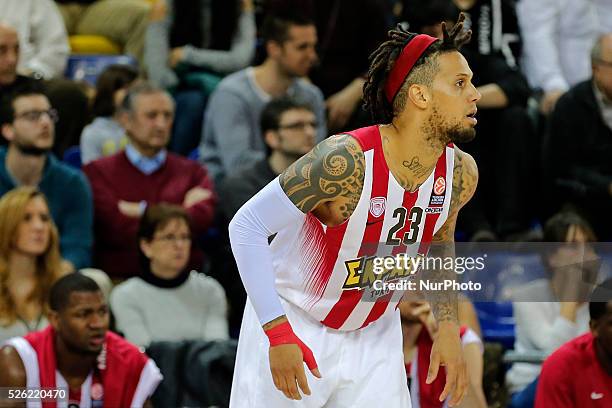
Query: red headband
[[408, 57]]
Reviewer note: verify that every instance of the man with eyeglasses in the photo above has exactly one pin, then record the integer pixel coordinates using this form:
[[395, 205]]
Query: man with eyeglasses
[[27, 121], [288, 128], [66, 96], [580, 143]]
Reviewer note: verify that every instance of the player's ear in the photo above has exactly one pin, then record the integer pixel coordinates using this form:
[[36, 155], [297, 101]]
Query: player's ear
[[419, 95], [53, 318]]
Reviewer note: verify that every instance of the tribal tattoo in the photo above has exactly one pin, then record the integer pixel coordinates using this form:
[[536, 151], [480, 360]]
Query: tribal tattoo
[[465, 178], [334, 169]]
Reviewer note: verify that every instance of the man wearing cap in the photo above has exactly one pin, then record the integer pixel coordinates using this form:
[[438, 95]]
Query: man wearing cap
[[386, 190]]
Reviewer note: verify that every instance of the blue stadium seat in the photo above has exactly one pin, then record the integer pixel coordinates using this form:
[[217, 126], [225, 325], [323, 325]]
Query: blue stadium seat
[[72, 156], [88, 67], [194, 154], [497, 322]]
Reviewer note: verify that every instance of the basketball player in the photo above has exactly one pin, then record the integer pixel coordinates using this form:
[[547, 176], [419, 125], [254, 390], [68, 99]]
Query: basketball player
[[400, 184]]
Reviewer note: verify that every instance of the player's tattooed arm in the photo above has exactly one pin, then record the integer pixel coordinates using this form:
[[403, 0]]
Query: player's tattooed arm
[[465, 179], [333, 170]]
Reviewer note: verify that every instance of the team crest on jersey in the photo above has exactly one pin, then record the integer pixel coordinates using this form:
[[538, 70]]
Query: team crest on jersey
[[377, 206]]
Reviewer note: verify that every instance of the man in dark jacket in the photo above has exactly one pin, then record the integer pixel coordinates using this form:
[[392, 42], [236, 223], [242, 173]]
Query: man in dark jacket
[[580, 143]]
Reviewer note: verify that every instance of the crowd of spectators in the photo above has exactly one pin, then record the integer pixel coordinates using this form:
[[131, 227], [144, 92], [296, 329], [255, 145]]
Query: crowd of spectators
[[222, 96]]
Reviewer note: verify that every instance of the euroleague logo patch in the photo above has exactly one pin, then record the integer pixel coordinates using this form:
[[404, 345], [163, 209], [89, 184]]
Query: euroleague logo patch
[[377, 206], [439, 186]]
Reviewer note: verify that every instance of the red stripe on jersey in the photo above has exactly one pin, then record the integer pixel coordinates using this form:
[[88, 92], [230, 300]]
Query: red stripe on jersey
[[431, 219], [378, 309], [322, 248], [371, 235]]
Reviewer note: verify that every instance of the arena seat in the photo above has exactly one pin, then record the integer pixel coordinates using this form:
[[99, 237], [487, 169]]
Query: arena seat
[[497, 322], [92, 45], [88, 67], [72, 156]]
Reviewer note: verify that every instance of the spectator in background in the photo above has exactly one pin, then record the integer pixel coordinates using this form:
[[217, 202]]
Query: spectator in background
[[557, 37], [579, 373], [549, 312], [289, 130], [504, 125], [168, 302], [145, 173], [78, 353], [579, 145], [419, 327], [29, 261], [43, 41], [122, 21], [231, 134], [27, 121], [189, 48], [105, 135], [495, 29], [70, 101], [350, 30]]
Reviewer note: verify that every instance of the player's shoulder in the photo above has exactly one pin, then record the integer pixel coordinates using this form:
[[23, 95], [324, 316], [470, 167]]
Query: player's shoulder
[[333, 168], [464, 161], [465, 177], [12, 370]]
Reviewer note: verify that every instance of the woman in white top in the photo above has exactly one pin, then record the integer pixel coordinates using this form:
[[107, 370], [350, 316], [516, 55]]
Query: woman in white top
[[550, 312], [168, 302], [29, 261]]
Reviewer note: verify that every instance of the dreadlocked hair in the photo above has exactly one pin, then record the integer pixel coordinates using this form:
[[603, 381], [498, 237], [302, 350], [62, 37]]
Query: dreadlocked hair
[[383, 59]]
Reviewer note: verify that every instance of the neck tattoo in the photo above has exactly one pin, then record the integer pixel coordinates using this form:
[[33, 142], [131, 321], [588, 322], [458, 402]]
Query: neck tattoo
[[417, 169]]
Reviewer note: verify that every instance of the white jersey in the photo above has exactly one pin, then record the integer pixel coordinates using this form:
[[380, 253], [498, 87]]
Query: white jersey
[[325, 270]]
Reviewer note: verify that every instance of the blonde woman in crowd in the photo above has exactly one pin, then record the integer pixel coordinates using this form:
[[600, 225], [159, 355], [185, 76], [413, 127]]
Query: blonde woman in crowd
[[30, 261]]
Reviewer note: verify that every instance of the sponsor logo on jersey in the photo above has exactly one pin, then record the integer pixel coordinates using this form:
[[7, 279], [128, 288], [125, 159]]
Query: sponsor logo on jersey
[[433, 210], [361, 272], [377, 206]]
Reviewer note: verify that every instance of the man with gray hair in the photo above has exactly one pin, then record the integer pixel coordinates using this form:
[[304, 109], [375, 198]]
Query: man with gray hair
[[580, 142], [145, 173]]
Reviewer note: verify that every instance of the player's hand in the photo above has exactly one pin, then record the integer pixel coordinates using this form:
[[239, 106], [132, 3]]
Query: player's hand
[[287, 366], [447, 351]]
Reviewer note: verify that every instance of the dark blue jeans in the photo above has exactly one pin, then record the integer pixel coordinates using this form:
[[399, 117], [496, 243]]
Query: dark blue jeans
[[525, 398], [187, 129]]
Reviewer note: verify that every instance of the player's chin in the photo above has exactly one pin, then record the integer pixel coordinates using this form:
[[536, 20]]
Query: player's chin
[[463, 135]]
